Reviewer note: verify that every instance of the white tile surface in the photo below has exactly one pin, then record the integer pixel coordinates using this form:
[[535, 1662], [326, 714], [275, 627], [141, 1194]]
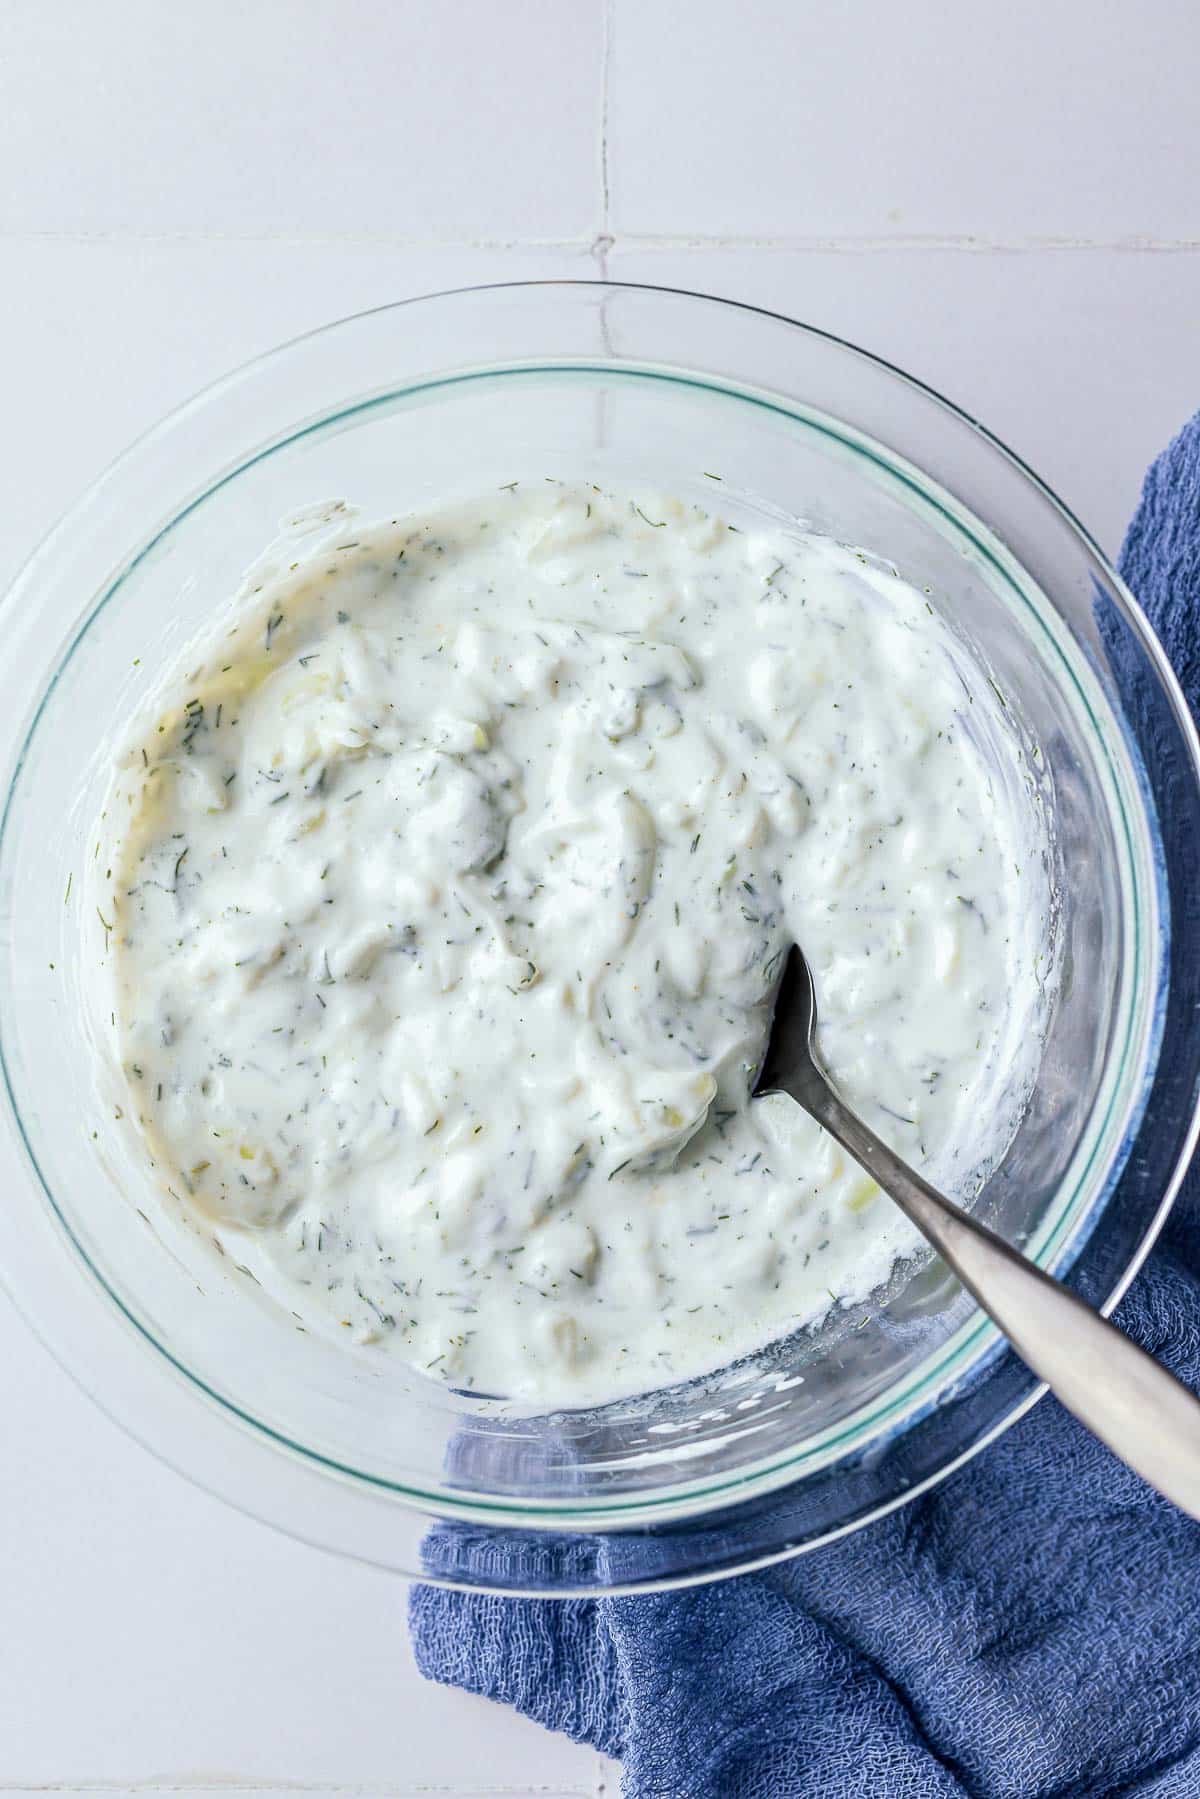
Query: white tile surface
[[999, 122], [152, 1635], [329, 118], [184, 186]]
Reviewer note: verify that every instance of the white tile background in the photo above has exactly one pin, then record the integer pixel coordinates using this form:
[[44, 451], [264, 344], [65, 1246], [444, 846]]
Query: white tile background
[[1003, 197]]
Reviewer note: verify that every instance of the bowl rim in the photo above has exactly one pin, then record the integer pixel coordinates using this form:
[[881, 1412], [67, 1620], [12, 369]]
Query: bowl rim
[[565, 1514]]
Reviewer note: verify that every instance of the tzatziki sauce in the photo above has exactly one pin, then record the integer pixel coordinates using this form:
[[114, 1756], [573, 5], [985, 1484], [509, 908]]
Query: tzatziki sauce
[[451, 877]]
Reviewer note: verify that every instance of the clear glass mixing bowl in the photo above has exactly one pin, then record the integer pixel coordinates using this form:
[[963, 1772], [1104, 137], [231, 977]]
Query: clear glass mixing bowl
[[443, 396]]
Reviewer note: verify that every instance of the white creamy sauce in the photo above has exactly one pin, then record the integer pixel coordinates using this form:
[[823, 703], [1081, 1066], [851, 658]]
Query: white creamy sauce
[[450, 885]]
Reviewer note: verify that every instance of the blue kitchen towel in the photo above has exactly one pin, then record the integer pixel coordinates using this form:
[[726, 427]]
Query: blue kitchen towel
[[1028, 1630]]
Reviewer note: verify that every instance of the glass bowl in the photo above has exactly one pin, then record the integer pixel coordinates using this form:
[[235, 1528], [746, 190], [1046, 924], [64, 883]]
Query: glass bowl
[[443, 396]]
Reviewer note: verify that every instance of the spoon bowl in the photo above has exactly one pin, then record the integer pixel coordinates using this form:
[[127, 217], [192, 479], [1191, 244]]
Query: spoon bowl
[[1132, 1403]]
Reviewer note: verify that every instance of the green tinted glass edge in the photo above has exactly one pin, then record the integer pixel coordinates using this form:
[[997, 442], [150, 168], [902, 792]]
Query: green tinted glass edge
[[960, 1348]]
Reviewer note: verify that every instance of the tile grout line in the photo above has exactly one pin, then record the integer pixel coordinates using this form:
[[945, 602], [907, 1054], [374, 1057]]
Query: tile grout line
[[365, 240], [964, 242], [602, 243]]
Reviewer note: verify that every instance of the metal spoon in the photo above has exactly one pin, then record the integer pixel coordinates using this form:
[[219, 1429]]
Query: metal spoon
[[1146, 1416]]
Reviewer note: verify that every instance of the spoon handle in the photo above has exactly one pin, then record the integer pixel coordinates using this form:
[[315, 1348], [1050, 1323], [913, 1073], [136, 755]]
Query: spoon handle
[[1146, 1416]]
